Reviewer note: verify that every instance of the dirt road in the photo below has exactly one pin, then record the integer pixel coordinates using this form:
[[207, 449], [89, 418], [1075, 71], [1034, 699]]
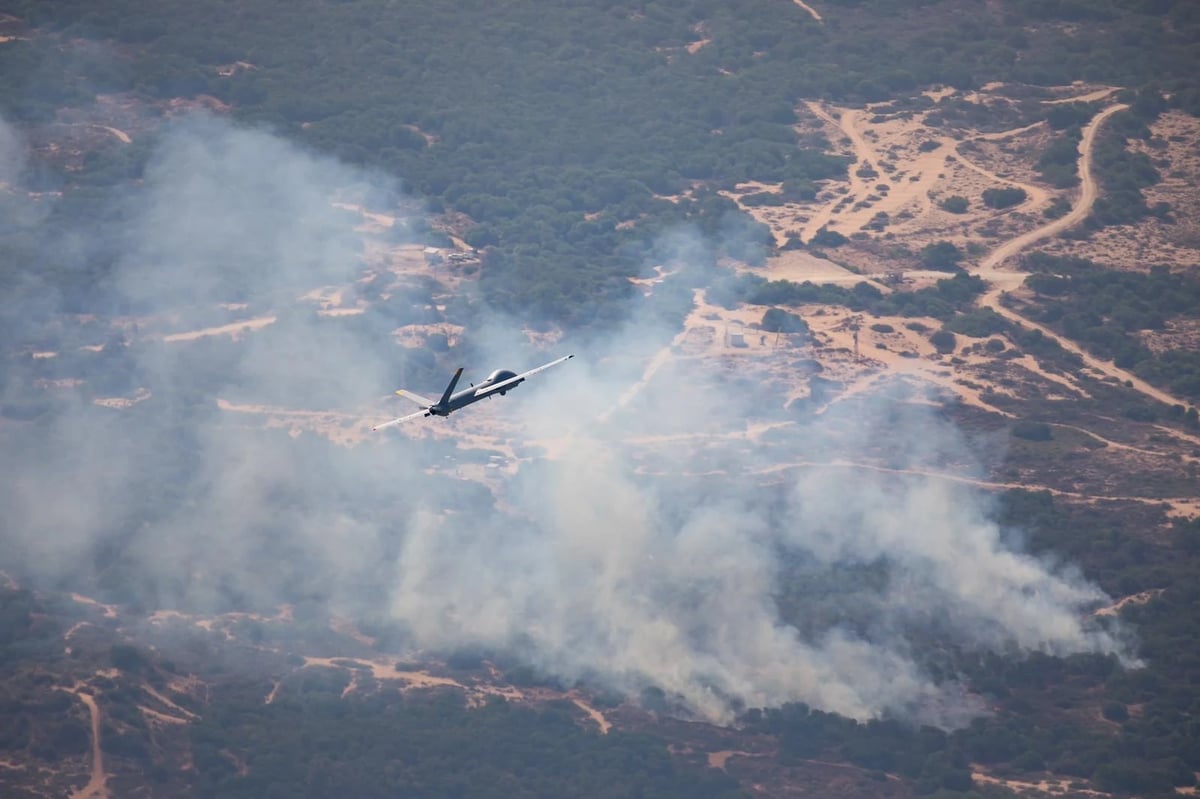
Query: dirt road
[[97, 784], [1079, 211], [812, 11], [1003, 281]]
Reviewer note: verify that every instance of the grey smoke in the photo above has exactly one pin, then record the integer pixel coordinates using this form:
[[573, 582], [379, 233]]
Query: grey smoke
[[231, 216], [612, 561], [12, 154]]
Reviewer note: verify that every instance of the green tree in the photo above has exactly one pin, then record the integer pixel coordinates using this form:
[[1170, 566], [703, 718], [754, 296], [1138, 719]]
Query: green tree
[[955, 204], [944, 341], [1004, 198], [777, 320], [943, 256]]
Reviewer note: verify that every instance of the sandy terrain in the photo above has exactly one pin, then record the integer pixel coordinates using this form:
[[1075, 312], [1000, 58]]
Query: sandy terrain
[[372, 222], [888, 142], [141, 395], [234, 329], [1049, 787], [711, 332], [1133, 599], [418, 335], [1174, 148], [1079, 209], [719, 759], [648, 283], [97, 784], [110, 611], [116, 133], [800, 266], [160, 717], [346, 429], [384, 670], [809, 9], [1089, 97], [120, 135], [184, 713], [903, 168], [595, 715], [1002, 282], [873, 171]]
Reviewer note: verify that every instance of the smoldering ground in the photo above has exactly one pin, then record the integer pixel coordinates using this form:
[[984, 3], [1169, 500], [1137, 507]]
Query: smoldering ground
[[589, 565]]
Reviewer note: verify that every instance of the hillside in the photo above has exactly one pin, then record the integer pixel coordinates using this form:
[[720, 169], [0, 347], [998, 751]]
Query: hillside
[[875, 472]]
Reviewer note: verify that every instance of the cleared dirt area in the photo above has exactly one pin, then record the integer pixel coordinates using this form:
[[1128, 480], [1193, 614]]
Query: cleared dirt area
[[234, 329], [902, 169], [1046, 787], [477, 691], [1140, 598]]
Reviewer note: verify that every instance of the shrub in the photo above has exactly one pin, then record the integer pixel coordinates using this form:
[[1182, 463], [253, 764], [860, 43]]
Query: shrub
[[777, 320], [1115, 711], [1032, 431], [942, 256], [828, 238], [955, 204], [1140, 413], [1003, 198], [127, 658], [944, 341]]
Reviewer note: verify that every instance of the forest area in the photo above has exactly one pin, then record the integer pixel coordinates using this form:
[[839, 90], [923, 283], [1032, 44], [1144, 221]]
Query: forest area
[[545, 127]]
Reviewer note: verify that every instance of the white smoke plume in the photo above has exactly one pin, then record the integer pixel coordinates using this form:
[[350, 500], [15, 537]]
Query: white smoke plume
[[673, 583], [646, 551]]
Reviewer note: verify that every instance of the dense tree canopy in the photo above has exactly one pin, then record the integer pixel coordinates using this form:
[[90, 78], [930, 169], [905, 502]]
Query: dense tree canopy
[[558, 128]]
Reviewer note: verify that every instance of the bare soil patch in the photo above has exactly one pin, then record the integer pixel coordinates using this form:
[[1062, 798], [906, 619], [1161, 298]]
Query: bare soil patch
[[234, 329], [812, 11]]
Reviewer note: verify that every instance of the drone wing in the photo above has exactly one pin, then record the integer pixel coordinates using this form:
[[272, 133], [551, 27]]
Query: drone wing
[[393, 422], [512, 381]]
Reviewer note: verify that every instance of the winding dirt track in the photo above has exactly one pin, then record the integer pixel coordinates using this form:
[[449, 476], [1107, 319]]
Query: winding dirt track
[[1002, 281], [812, 11], [1079, 212], [97, 784]]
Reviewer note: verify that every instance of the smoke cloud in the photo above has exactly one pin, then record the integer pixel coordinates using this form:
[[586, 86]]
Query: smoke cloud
[[12, 154], [657, 544]]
